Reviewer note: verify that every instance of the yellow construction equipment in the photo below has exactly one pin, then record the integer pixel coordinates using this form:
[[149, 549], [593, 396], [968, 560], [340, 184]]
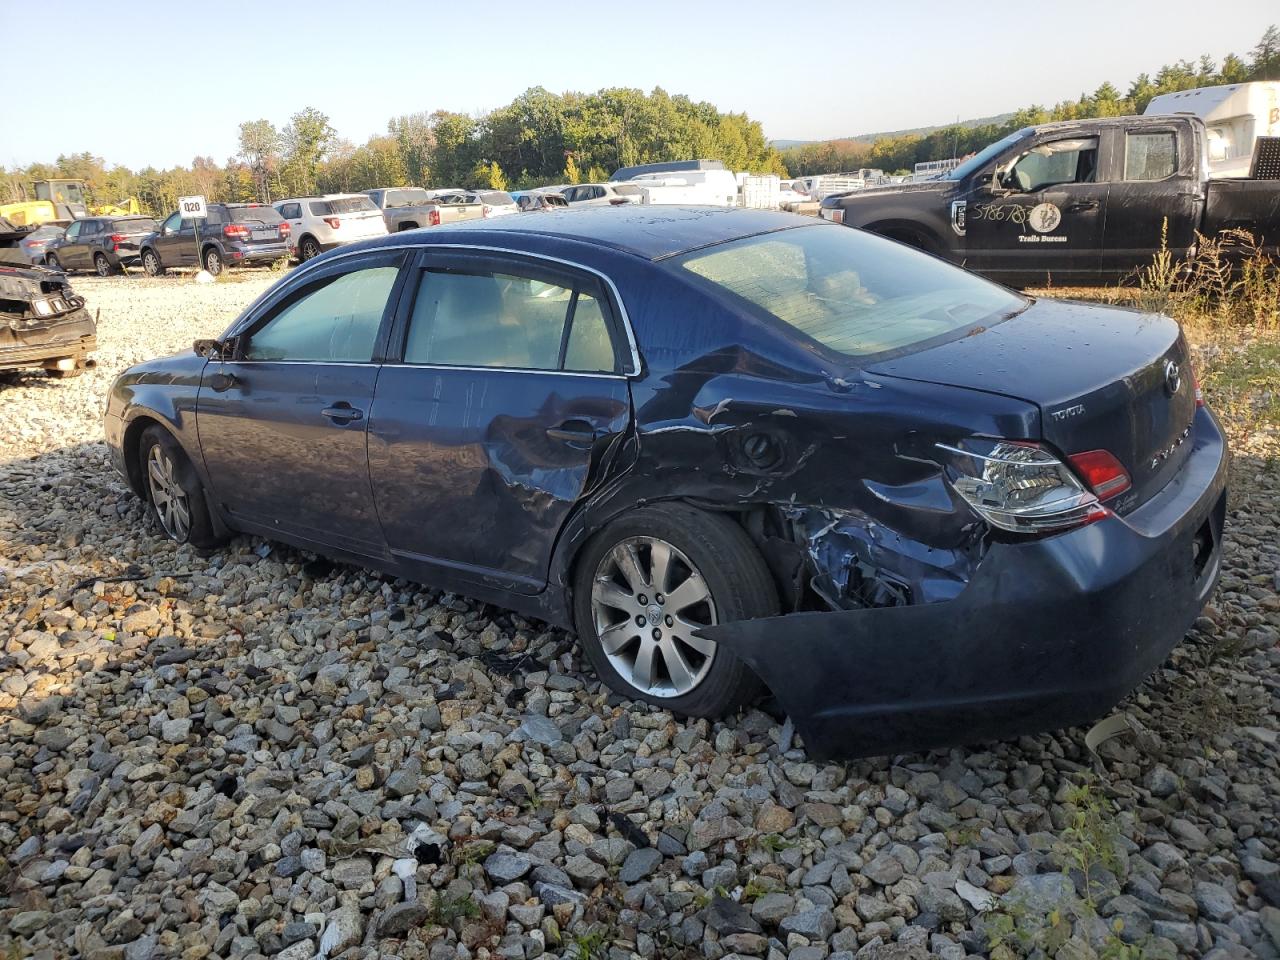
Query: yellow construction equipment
[[58, 200]]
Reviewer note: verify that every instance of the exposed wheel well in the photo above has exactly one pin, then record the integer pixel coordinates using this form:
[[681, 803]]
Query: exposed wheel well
[[304, 238], [407, 225], [910, 234]]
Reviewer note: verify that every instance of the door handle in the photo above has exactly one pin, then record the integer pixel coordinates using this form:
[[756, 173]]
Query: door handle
[[574, 432], [342, 412], [1081, 206]]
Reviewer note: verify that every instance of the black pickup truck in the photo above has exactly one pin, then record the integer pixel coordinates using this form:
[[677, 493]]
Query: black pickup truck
[[1082, 201]]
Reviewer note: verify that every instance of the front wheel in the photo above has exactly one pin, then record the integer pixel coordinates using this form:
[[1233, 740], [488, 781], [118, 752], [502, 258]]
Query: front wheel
[[151, 264], [174, 492], [213, 261], [647, 583]]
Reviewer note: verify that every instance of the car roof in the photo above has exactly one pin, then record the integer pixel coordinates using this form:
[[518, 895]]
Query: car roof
[[648, 231]]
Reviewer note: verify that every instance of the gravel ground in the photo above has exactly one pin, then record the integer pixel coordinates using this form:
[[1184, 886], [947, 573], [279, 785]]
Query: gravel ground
[[256, 753]]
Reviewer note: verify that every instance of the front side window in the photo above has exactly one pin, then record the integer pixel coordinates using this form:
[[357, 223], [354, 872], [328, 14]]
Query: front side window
[[1150, 156], [335, 320], [1055, 163], [172, 224], [508, 320], [291, 211], [852, 292], [73, 231]]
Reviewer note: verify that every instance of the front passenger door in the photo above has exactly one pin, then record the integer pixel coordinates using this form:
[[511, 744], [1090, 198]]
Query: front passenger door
[[66, 251], [1044, 219], [510, 394], [282, 420]]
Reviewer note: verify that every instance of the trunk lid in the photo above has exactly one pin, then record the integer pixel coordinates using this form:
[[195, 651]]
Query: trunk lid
[[1103, 377]]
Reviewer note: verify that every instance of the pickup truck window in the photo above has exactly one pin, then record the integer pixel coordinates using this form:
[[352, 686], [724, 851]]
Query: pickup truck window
[[1054, 163], [850, 291], [406, 198], [1150, 156]]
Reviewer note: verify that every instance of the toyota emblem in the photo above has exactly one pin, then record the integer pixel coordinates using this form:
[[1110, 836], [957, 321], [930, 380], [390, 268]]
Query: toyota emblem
[[1172, 377]]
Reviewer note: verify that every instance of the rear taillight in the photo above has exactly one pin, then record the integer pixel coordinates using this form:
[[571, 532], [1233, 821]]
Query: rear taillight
[[235, 231], [1019, 486], [285, 229], [116, 240], [433, 218], [333, 222], [1102, 472], [485, 211]]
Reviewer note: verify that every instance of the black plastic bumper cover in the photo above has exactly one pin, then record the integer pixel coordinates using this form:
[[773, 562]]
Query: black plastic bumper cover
[[1048, 633]]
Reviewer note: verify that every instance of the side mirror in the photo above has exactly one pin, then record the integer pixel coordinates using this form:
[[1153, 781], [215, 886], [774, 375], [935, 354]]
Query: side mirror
[[209, 349]]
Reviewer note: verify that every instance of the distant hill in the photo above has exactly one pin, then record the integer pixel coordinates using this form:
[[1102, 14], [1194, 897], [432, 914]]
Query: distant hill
[[914, 131]]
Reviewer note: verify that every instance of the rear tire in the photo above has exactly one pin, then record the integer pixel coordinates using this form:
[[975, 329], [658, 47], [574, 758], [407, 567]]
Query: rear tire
[[102, 265], [52, 262], [705, 556], [213, 261], [151, 264], [175, 495]]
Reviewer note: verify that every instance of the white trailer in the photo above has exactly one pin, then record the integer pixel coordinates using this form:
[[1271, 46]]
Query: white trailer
[[1235, 115], [762, 192]]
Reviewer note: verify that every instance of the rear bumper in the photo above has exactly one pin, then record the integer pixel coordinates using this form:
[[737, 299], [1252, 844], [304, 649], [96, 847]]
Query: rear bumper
[[1048, 633], [265, 253]]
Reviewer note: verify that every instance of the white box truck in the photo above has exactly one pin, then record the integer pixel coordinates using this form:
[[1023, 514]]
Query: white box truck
[[1235, 115]]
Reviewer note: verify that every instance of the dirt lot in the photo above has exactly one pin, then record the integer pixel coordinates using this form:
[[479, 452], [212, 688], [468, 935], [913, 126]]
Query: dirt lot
[[256, 753]]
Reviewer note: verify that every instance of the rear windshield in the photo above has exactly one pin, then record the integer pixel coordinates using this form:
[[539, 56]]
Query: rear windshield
[[495, 198], [853, 292], [255, 214], [628, 190], [141, 225], [406, 198], [554, 200]]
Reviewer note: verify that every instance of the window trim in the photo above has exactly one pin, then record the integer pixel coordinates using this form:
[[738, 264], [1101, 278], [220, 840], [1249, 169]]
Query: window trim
[[300, 275], [424, 264]]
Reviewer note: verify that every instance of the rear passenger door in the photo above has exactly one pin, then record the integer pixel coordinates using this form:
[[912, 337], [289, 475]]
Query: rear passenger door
[[1156, 197], [508, 390]]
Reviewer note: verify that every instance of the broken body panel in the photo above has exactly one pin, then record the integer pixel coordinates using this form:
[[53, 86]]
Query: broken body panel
[[42, 322]]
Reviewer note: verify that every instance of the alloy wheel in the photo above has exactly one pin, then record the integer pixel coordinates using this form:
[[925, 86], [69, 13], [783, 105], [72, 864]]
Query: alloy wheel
[[101, 265], [309, 250], [167, 494], [213, 262], [647, 601]]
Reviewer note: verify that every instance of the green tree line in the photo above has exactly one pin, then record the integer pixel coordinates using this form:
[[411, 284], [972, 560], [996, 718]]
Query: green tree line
[[538, 138], [901, 153], [543, 137]]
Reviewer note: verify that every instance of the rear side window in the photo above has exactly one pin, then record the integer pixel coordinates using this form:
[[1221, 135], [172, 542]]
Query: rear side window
[[256, 214], [335, 320], [508, 320], [1150, 156], [852, 292], [319, 208], [496, 198]]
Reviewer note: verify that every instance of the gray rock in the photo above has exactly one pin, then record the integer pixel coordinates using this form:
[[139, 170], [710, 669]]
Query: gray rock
[[884, 870], [816, 924], [507, 867], [398, 920], [344, 928], [726, 916], [1214, 902], [639, 864], [1041, 893], [773, 908], [541, 730]]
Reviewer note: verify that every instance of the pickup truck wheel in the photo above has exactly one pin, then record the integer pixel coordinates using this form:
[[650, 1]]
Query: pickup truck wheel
[[151, 264], [644, 586], [102, 265], [213, 261], [309, 248], [175, 495]]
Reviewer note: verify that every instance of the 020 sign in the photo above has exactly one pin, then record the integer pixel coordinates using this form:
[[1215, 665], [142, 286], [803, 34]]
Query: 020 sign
[[192, 208]]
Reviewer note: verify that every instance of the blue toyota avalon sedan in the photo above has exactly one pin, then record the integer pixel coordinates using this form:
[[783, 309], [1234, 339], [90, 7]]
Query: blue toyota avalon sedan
[[731, 449]]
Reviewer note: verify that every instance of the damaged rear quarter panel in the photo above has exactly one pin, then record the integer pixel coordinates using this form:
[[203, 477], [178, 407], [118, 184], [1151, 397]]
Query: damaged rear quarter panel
[[736, 414]]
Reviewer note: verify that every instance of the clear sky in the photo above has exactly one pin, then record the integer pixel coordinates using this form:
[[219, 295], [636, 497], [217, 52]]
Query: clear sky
[[143, 83]]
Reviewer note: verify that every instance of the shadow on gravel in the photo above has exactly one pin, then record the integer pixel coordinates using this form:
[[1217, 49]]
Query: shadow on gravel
[[192, 744]]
